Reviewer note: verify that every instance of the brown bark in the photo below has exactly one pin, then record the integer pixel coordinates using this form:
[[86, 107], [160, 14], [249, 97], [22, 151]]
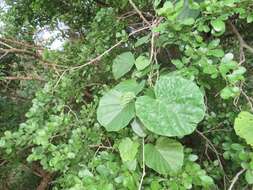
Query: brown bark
[[46, 178]]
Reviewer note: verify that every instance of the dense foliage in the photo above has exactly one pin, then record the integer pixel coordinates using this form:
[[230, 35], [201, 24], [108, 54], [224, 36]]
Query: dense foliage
[[143, 95]]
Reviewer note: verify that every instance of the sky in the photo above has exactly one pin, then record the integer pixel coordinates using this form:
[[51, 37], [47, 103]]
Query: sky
[[51, 38], [47, 37]]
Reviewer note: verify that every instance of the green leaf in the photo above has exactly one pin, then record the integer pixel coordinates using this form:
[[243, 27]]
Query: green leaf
[[131, 165], [227, 57], [192, 157], [130, 86], [218, 25], [116, 107], [237, 75], [216, 52], [176, 110], [167, 8], [250, 18], [155, 185], [157, 2], [166, 157], [188, 21], [249, 176], [225, 68], [142, 62], [122, 64], [187, 12], [244, 126], [142, 40], [207, 181], [214, 43], [128, 149], [138, 128], [230, 92], [178, 63]]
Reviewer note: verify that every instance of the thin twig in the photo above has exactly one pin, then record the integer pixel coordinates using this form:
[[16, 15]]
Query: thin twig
[[139, 12], [143, 164], [61, 76], [236, 178], [100, 146], [239, 37], [22, 78], [216, 153], [126, 15], [2, 56], [3, 163], [108, 50], [152, 49], [21, 43], [212, 147], [5, 44], [248, 99]]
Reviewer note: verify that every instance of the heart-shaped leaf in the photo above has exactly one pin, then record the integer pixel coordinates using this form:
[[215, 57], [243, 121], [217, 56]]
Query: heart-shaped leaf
[[122, 64], [128, 149], [244, 126], [176, 110], [166, 157], [116, 107]]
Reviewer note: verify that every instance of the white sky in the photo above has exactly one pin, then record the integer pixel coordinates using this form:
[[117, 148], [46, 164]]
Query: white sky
[[45, 36], [51, 38]]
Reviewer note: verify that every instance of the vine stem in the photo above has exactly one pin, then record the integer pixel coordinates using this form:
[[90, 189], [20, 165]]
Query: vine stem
[[109, 50], [143, 165], [236, 178], [92, 61], [243, 44], [139, 12], [212, 147]]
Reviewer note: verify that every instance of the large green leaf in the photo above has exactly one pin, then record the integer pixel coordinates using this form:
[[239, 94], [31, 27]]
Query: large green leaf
[[166, 157], [176, 110], [128, 149], [116, 107], [122, 64], [244, 126]]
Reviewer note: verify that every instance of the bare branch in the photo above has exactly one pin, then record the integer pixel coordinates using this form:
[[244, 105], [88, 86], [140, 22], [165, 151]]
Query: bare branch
[[20, 43], [2, 56], [5, 44], [100, 146], [212, 147], [243, 44], [143, 164], [139, 12], [22, 78], [236, 178], [109, 50]]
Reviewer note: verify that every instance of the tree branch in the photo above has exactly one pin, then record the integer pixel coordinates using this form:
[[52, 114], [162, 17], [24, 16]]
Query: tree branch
[[22, 78], [108, 50], [139, 12], [236, 178], [243, 44]]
